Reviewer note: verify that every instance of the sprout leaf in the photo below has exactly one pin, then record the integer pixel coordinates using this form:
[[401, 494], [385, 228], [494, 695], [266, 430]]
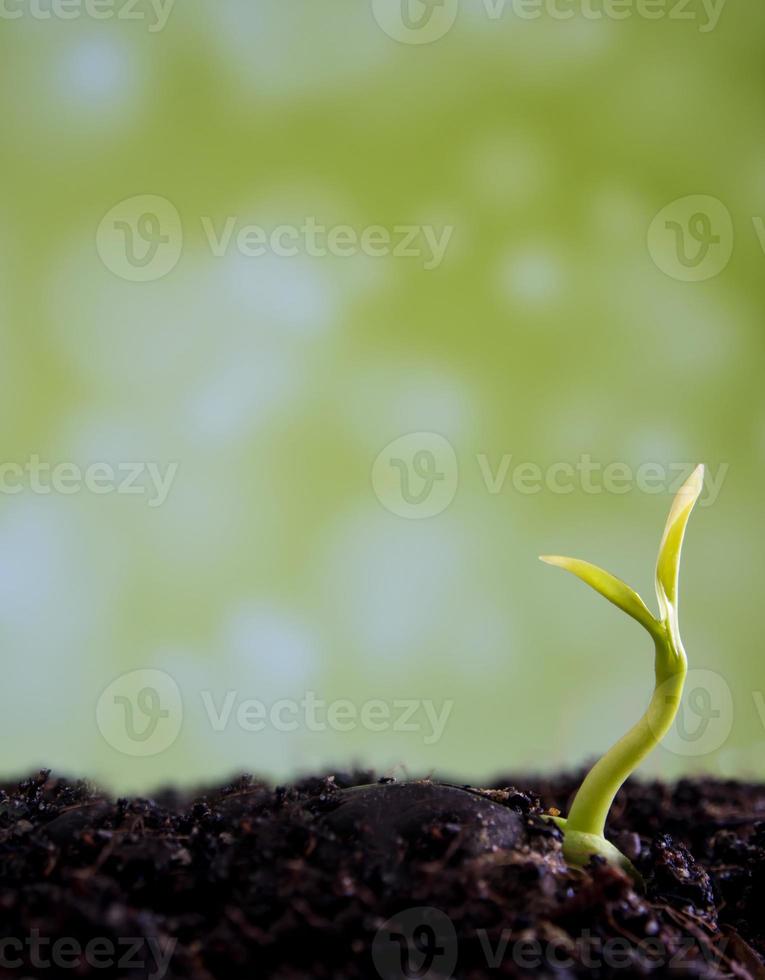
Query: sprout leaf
[[608, 585], [668, 564]]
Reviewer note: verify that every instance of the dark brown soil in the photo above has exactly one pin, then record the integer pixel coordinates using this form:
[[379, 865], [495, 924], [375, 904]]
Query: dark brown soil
[[323, 880]]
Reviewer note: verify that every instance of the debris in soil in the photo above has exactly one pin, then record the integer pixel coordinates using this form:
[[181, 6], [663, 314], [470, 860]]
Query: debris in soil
[[341, 877]]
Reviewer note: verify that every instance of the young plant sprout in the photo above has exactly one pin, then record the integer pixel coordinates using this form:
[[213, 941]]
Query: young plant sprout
[[583, 830]]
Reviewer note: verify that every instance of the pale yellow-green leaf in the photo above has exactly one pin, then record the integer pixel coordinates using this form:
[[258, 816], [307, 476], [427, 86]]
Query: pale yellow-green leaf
[[607, 585], [668, 564]]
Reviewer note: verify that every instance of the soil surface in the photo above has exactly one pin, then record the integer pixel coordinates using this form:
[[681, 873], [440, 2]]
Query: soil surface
[[344, 876]]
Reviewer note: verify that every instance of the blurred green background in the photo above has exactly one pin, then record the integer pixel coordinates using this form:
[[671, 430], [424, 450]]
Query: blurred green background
[[561, 323]]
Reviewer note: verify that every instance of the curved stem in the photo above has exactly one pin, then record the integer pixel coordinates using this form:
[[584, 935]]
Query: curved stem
[[596, 794]]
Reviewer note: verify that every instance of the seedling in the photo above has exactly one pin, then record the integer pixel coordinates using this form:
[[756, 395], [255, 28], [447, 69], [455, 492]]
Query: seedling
[[583, 830]]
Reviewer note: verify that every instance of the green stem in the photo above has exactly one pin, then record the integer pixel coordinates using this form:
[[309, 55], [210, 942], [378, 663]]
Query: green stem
[[596, 794]]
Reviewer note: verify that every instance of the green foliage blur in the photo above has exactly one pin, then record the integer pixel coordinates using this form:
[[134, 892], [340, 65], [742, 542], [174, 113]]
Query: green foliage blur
[[559, 305]]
